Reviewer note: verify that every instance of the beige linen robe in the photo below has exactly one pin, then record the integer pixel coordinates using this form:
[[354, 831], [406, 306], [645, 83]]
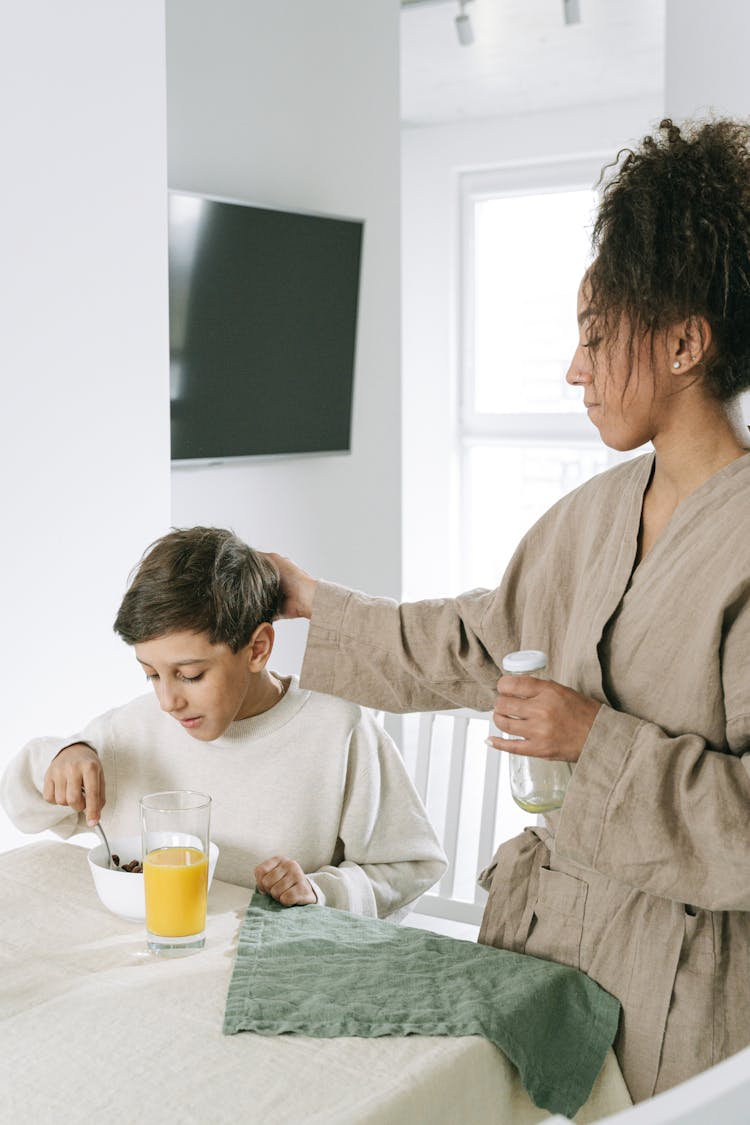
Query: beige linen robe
[[645, 884]]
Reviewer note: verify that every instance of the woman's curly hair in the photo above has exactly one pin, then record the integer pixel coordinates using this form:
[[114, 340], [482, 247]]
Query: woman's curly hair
[[671, 240]]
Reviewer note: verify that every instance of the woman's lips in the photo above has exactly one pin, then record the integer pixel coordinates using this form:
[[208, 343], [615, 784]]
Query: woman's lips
[[191, 723]]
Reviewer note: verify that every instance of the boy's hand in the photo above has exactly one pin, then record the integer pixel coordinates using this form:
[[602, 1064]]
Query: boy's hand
[[284, 880], [297, 588], [75, 778]]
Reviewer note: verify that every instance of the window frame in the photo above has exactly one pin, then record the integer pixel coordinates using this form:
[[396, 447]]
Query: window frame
[[574, 174], [510, 429]]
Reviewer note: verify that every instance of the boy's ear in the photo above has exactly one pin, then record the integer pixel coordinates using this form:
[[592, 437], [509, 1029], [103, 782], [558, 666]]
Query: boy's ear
[[260, 646]]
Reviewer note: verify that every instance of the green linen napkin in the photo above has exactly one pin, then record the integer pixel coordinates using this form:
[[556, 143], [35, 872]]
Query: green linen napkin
[[325, 973]]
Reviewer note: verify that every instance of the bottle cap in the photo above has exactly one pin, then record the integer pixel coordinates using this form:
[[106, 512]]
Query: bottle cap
[[528, 660]]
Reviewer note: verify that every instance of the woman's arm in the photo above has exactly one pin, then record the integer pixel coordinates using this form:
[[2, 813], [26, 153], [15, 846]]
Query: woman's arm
[[665, 815], [442, 653], [417, 656], [666, 811]]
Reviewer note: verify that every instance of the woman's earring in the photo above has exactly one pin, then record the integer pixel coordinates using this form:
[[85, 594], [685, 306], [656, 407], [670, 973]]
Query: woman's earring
[[676, 364]]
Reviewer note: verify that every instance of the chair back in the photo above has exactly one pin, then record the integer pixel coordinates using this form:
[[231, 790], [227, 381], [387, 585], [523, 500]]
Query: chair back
[[445, 901]]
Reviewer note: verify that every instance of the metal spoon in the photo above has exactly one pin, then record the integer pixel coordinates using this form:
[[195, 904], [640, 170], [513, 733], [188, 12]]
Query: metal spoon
[[100, 830]]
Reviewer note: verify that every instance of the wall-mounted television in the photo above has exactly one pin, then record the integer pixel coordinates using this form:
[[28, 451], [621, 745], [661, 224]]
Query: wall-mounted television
[[263, 324]]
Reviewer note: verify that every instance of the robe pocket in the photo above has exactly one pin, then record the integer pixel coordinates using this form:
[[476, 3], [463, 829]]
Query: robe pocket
[[556, 924], [698, 956]]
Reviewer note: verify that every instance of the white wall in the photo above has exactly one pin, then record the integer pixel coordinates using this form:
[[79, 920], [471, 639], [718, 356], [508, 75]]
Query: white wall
[[706, 66], [433, 158], [706, 58], [83, 350], [293, 104]]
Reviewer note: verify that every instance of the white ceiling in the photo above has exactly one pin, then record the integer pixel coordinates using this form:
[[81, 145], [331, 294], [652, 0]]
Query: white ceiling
[[524, 58]]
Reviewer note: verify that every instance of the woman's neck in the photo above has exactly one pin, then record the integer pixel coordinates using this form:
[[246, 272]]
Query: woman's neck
[[692, 452]]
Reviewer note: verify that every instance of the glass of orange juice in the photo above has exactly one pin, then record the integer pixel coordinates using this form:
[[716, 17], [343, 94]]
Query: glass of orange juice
[[175, 829]]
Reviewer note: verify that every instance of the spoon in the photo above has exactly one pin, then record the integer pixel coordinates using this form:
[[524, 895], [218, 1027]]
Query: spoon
[[100, 830]]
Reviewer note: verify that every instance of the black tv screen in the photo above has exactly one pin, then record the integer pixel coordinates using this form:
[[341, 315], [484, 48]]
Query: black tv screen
[[263, 318]]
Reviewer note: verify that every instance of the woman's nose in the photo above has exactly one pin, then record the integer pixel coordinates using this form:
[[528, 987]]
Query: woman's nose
[[579, 371]]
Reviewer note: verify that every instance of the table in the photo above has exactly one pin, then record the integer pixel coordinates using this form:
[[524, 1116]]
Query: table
[[95, 1029]]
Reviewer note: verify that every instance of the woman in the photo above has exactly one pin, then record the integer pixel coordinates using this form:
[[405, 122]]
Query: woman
[[638, 587]]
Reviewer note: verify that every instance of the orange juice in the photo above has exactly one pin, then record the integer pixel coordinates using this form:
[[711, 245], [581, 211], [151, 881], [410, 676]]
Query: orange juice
[[176, 881]]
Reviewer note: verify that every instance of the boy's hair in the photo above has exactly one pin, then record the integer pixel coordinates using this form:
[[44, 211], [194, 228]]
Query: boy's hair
[[202, 580]]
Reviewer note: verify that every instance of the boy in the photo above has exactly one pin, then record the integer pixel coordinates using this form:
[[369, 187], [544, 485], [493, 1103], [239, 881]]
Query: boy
[[311, 800]]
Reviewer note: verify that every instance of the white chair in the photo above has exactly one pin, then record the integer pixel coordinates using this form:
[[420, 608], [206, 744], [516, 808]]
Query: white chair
[[444, 901]]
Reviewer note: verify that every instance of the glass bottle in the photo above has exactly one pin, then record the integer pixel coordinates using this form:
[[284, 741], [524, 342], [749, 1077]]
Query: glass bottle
[[537, 784]]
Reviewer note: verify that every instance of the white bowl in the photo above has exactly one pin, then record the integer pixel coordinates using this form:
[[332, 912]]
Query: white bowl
[[122, 891]]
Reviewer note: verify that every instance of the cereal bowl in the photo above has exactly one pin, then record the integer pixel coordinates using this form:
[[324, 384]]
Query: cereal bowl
[[120, 891]]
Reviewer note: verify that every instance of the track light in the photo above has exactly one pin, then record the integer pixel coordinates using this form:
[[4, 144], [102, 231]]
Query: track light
[[464, 30], [572, 11]]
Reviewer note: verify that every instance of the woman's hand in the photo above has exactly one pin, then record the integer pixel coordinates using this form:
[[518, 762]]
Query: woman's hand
[[297, 588], [553, 720], [75, 778], [284, 880]]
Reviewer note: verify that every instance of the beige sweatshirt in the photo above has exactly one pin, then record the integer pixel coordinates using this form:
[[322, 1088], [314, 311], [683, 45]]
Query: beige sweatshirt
[[314, 779], [646, 883]]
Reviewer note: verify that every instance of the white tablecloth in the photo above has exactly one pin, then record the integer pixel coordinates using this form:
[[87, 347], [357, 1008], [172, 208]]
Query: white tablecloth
[[94, 1029]]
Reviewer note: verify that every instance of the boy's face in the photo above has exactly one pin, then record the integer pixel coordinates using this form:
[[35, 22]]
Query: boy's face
[[203, 686]]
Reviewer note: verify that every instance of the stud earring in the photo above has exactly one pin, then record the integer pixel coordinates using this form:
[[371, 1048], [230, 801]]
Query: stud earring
[[676, 364]]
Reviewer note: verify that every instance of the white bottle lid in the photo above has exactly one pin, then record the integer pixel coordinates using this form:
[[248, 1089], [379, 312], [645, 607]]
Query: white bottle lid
[[528, 660]]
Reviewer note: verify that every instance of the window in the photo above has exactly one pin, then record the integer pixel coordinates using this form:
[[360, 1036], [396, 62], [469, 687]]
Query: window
[[524, 438]]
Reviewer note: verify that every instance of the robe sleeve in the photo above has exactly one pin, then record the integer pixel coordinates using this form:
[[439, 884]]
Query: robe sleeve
[[691, 805], [689, 800], [390, 853], [446, 653], [419, 656]]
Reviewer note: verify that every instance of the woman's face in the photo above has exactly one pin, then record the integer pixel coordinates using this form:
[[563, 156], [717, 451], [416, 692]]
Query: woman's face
[[624, 388]]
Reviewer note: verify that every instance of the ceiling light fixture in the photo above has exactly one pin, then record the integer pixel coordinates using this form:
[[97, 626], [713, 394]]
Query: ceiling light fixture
[[572, 11], [464, 30]]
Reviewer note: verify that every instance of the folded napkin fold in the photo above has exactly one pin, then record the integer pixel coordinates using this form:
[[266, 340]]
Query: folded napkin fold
[[316, 971]]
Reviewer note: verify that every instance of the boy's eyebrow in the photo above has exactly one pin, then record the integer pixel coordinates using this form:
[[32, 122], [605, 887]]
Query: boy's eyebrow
[[178, 663]]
